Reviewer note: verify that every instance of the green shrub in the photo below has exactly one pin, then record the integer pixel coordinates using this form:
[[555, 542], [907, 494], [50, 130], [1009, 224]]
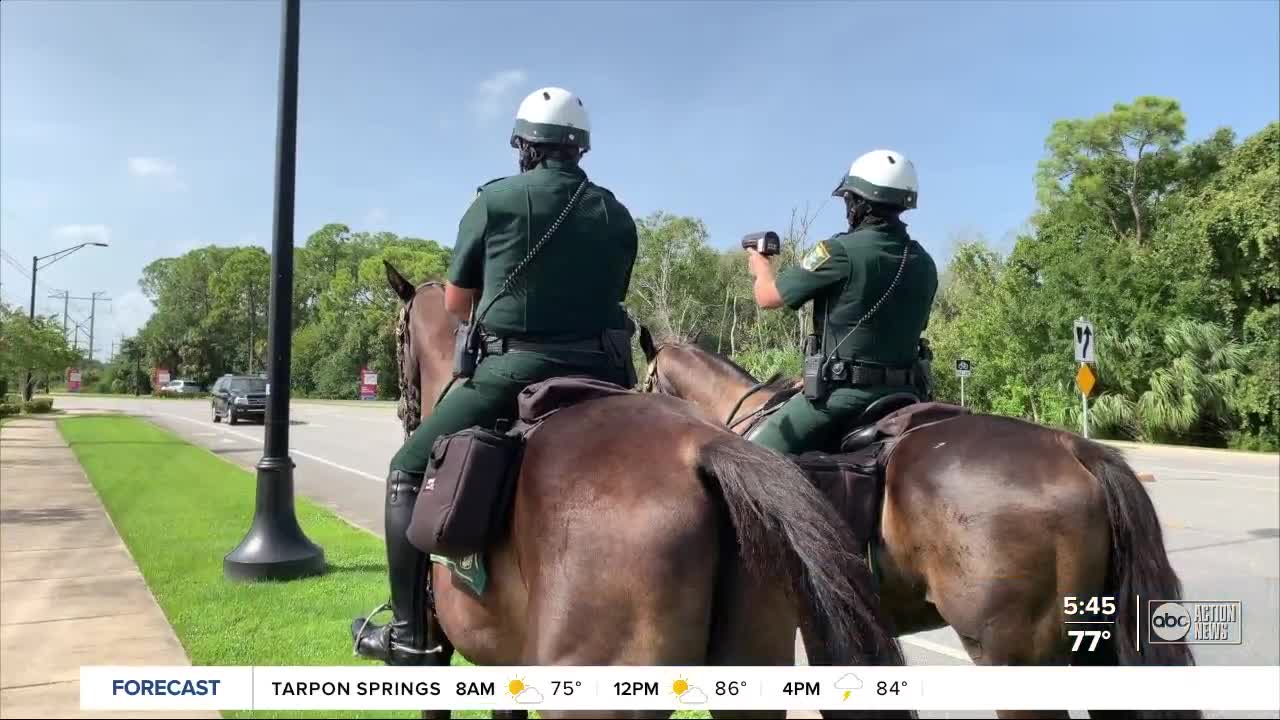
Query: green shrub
[[9, 408], [38, 405]]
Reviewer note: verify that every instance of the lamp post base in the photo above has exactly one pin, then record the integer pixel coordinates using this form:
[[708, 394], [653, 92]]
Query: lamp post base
[[275, 548]]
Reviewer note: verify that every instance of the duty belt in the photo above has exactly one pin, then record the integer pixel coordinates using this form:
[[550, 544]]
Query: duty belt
[[499, 346], [873, 375]]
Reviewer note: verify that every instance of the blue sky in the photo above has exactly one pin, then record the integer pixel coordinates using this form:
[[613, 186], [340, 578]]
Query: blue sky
[[153, 123]]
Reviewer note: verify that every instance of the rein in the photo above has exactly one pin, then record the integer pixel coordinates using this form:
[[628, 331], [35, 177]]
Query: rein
[[733, 421]]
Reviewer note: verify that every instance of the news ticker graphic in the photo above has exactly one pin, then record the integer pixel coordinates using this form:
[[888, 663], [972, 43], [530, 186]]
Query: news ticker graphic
[[104, 688]]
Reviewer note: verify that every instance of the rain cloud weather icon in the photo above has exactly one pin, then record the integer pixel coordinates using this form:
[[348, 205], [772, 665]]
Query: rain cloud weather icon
[[848, 683]]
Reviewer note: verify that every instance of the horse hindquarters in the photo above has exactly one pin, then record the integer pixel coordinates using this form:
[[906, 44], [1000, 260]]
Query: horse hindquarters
[[994, 539], [617, 539]]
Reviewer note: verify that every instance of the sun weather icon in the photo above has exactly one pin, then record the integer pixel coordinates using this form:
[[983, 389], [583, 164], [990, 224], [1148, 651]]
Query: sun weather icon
[[522, 693], [687, 694], [848, 683]]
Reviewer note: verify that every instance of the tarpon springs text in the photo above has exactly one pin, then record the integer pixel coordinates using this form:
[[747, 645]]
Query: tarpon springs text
[[357, 689]]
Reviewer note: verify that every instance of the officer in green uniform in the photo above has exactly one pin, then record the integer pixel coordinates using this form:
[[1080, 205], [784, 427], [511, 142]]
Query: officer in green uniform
[[872, 289], [542, 264]]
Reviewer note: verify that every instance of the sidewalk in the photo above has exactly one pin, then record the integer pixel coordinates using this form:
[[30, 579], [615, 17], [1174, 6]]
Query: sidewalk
[[70, 593]]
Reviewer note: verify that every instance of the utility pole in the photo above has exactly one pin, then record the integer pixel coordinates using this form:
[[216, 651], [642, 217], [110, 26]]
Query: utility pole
[[27, 386], [93, 306], [93, 312], [65, 297]]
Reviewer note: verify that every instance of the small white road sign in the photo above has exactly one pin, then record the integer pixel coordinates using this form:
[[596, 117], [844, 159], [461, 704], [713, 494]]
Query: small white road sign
[[964, 368], [1086, 347]]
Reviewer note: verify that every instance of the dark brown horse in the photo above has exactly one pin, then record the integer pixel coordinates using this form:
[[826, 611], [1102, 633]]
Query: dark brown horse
[[988, 523], [644, 533]]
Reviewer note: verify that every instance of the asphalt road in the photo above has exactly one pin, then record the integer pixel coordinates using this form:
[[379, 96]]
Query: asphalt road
[[1220, 510]]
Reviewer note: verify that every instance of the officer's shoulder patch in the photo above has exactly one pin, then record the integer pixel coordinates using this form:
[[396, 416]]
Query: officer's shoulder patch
[[816, 257]]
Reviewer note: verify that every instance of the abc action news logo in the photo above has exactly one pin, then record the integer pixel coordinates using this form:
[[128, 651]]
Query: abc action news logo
[[1194, 622]]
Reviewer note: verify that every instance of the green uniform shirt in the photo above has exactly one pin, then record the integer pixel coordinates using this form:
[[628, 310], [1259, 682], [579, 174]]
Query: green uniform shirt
[[847, 274], [574, 287]]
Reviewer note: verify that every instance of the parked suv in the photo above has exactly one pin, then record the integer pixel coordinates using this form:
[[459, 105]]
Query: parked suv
[[181, 387], [237, 397]]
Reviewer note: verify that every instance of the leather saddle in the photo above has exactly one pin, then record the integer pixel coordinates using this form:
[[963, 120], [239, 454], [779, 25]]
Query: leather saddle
[[866, 430], [467, 503], [852, 475]]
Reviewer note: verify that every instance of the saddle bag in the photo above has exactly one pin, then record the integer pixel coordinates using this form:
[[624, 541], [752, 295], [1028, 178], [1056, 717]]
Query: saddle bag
[[854, 485], [464, 506], [540, 400]]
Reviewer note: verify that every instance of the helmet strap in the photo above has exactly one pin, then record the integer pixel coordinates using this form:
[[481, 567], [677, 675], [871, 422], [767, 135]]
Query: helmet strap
[[856, 209], [532, 155], [859, 209]]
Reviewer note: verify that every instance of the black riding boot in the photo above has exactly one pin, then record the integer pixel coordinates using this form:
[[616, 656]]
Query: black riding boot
[[403, 641]]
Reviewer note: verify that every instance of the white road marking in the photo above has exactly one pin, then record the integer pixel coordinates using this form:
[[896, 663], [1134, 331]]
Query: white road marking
[[1214, 473], [938, 648], [292, 451]]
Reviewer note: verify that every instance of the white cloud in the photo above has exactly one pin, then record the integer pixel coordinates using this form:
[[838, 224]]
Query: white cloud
[[130, 312], [493, 96], [158, 169], [529, 696], [72, 234], [849, 681], [376, 216], [693, 696]]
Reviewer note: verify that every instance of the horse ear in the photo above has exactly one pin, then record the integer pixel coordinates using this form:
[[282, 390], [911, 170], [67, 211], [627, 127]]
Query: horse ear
[[646, 343], [398, 283]]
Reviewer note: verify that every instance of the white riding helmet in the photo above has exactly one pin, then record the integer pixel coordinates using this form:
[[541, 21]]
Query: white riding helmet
[[882, 176], [553, 115]]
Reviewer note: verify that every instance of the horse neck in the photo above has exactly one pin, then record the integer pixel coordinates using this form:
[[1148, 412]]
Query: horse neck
[[432, 337], [714, 386]]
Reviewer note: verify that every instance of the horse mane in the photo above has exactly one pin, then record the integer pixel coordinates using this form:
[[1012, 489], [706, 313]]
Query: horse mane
[[779, 387], [409, 406]]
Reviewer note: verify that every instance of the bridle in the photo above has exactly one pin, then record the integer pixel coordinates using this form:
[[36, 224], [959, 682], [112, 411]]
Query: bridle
[[409, 407]]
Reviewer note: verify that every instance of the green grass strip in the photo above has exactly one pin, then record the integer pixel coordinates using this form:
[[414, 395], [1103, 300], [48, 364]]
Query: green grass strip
[[181, 508]]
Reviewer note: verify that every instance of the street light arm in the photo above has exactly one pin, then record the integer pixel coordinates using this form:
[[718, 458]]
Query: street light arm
[[63, 253]]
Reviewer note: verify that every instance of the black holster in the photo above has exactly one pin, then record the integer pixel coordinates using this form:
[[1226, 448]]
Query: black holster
[[466, 350]]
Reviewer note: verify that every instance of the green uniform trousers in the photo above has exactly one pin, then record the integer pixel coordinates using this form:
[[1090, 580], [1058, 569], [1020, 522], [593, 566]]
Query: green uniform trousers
[[491, 394], [804, 426]]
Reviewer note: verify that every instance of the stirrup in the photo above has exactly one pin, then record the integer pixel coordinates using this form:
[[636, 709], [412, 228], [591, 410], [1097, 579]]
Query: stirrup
[[391, 644]]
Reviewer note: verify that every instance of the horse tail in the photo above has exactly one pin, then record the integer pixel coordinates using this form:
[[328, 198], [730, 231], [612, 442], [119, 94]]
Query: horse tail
[[782, 523], [1139, 568]]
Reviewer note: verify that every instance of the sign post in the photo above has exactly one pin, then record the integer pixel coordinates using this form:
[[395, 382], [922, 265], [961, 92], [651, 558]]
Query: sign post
[[368, 384], [964, 368], [1086, 354], [159, 378]]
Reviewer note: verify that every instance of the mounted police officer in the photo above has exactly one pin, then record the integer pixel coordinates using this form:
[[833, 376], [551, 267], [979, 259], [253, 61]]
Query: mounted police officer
[[539, 271], [872, 289]]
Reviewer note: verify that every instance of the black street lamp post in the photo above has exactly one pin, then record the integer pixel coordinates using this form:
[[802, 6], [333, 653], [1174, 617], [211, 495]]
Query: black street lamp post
[[275, 547], [28, 386]]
